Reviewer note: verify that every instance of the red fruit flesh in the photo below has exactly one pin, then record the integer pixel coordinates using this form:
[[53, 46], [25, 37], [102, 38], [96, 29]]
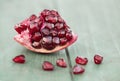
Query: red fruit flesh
[[19, 59], [46, 33], [61, 63], [98, 59], [81, 60], [77, 69], [47, 66]]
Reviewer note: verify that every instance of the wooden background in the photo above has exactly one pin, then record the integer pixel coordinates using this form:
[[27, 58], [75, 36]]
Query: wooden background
[[97, 23]]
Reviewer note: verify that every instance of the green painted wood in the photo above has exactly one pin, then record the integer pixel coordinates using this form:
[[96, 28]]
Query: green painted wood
[[12, 12], [97, 24]]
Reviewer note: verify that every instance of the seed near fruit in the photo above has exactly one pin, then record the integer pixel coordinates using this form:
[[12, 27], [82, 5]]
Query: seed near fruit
[[81, 60], [47, 66], [98, 59], [77, 69], [19, 59], [61, 63]]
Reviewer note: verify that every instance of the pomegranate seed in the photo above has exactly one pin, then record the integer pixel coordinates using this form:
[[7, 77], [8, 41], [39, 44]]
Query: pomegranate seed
[[59, 26], [47, 43], [36, 45], [56, 40], [61, 33], [32, 17], [51, 19], [19, 59], [36, 37], [98, 59], [81, 60], [45, 12], [53, 32], [53, 12], [45, 31], [60, 20], [77, 69], [69, 36], [18, 29], [33, 28], [47, 66], [63, 41], [61, 62], [49, 25]]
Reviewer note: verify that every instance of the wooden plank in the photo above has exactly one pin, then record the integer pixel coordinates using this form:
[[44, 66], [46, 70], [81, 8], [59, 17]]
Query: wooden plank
[[97, 24], [11, 13]]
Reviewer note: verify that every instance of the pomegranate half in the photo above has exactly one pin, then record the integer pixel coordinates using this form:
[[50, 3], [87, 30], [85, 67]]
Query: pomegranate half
[[46, 33]]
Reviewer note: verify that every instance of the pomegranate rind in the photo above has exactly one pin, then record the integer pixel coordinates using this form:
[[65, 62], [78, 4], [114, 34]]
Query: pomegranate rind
[[24, 40]]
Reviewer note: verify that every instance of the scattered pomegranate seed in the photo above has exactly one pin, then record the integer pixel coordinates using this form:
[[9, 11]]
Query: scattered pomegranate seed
[[77, 69], [81, 60], [19, 59], [47, 66], [61, 62], [98, 59]]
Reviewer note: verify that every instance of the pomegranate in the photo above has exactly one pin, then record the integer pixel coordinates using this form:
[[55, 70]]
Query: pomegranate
[[45, 33], [47, 66], [61, 63], [81, 60], [19, 59], [98, 59], [77, 69]]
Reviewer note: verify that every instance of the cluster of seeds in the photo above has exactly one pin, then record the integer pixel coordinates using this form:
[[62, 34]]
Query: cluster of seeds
[[48, 30]]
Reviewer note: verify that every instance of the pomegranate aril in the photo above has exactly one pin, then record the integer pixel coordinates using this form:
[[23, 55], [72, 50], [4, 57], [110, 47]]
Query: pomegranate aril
[[60, 20], [49, 25], [61, 33], [18, 29], [36, 45], [61, 63], [36, 37], [32, 17], [59, 26], [81, 60], [33, 28], [39, 21], [53, 12], [47, 66], [47, 43], [77, 69], [56, 40], [53, 32], [45, 12], [69, 36], [63, 41], [51, 19], [19, 59], [98, 59], [45, 31]]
